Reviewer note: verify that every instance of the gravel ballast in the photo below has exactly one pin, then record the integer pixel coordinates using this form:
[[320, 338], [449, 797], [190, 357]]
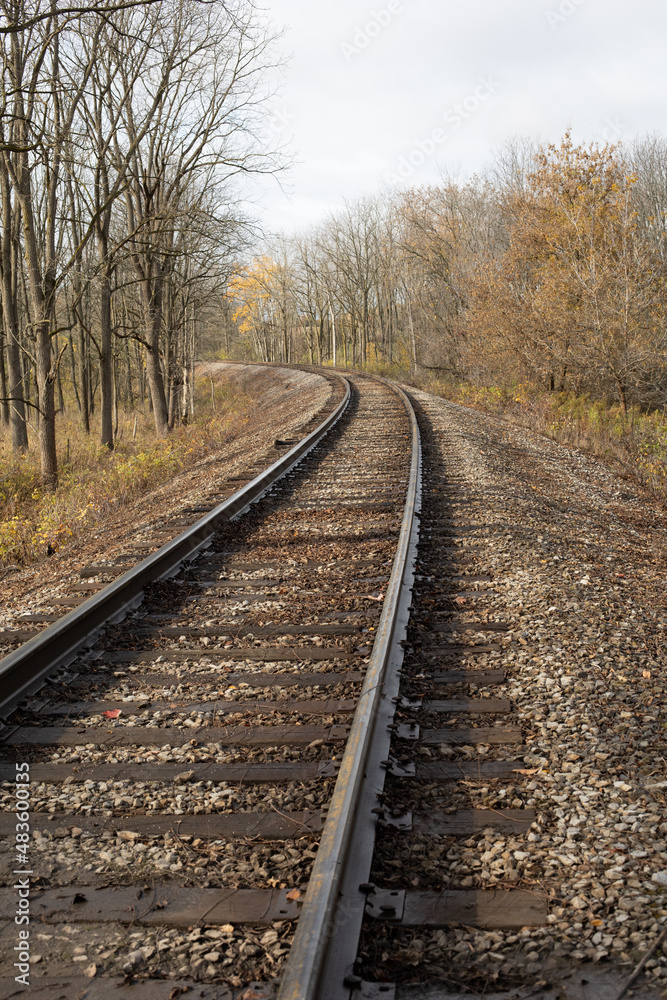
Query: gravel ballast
[[577, 560]]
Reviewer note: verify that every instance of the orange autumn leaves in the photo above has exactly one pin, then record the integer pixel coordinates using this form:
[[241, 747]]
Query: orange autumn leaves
[[577, 293]]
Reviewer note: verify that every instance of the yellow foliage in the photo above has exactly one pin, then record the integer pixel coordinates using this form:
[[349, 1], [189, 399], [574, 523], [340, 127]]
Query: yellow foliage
[[251, 291]]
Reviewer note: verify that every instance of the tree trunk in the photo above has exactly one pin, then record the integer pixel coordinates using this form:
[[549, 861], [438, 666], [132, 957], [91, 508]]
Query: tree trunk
[[10, 322], [114, 383], [413, 341], [45, 370], [46, 384], [176, 386], [84, 377], [153, 313], [59, 382], [106, 356], [4, 404], [622, 395], [72, 357], [40, 271], [129, 389], [185, 406], [16, 392]]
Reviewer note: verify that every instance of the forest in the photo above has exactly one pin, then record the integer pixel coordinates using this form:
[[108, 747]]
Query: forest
[[123, 127], [549, 268], [128, 252], [536, 290]]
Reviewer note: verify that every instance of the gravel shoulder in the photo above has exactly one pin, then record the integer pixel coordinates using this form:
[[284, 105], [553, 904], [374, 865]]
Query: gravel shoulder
[[577, 558], [283, 400]]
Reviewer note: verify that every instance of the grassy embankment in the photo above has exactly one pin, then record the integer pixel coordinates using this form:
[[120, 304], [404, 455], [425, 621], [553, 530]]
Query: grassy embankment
[[95, 482], [633, 443]]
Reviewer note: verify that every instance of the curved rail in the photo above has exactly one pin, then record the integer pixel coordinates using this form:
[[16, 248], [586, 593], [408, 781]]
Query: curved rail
[[320, 965], [23, 670]]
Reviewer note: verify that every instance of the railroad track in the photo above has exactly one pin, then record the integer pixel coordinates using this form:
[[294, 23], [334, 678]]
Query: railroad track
[[164, 739], [277, 776], [430, 810]]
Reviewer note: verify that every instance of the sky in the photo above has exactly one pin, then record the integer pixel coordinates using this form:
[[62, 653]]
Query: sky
[[398, 93]]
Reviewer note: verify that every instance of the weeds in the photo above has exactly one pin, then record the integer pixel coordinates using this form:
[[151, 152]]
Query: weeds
[[95, 482], [634, 442]]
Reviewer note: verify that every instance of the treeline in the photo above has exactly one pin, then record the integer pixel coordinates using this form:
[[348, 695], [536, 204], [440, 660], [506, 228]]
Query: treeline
[[122, 128], [550, 268]]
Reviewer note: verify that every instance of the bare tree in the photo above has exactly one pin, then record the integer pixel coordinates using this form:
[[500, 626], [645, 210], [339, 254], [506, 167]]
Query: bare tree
[[202, 127], [32, 71], [123, 127]]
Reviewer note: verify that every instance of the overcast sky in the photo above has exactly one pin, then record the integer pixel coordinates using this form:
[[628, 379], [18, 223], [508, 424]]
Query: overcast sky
[[394, 92]]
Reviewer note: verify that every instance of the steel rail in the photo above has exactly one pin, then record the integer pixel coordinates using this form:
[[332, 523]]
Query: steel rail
[[321, 960], [24, 670]]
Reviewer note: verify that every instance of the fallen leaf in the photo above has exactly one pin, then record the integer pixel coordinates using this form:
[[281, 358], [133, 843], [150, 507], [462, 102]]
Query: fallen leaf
[[293, 894], [526, 770], [112, 713]]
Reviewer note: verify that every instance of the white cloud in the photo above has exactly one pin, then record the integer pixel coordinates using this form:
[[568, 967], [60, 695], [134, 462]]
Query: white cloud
[[353, 115]]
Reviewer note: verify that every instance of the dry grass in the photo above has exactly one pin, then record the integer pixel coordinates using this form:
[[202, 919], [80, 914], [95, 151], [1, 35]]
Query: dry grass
[[93, 481], [634, 443]]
